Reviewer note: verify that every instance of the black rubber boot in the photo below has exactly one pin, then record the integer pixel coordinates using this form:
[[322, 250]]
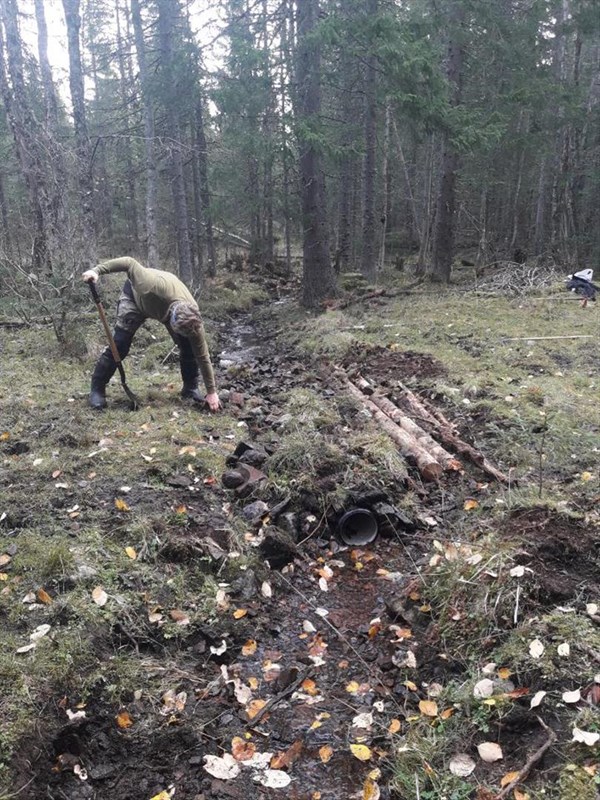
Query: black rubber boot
[[189, 371], [106, 368]]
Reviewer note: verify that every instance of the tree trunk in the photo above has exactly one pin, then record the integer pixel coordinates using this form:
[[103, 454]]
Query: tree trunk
[[26, 134], [149, 139], [319, 277], [540, 210], [82, 142], [369, 232], [202, 153], [166, 11], [443, 246], [131, 202], [385, 181]]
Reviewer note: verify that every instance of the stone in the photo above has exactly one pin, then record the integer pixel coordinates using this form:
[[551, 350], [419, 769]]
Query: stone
[[232, 479], [278, 548], [255, 510]]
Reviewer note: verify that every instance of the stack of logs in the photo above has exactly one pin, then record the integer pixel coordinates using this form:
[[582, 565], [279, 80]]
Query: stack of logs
[[415, 443]]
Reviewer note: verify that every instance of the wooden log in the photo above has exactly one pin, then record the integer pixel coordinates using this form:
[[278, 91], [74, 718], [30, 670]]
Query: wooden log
[[446, 459], [427, 465]]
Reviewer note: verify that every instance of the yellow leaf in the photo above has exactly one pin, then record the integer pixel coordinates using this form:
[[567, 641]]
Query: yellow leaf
[[239, 613], [508, 778], [586, 476], [179, 617], [43, 596], [371, 790], [3, 576], [470, 504], [4, 436], [428, 708], [394, 726], [352, 687], [181, 510], [410, 685], [5, 559], [124, 720], [316, 724], [518, 795], [249, 648], [360, 751], [131, 553], [254, 706], [325, 753], [447, 713], [121, 505], [161, 796], [504, 673], [253, 683]]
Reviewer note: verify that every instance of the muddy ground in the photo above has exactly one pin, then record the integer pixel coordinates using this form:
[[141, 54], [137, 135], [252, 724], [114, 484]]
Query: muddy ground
[[330, 657]]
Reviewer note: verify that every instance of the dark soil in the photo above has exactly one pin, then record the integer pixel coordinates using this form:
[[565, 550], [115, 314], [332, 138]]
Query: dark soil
[[563, 553], [383, 367]]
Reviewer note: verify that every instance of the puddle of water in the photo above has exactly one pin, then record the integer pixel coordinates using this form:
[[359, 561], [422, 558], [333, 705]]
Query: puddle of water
[[244, 346]]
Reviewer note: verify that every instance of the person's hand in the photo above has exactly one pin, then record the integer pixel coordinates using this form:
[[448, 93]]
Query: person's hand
[[212, 401], [90, 276]]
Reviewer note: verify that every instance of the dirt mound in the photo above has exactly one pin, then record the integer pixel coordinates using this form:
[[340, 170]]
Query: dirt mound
[[563, 553], [383, 366]]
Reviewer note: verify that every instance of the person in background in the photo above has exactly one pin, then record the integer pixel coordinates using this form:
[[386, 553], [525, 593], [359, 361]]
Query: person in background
[[155, 294]]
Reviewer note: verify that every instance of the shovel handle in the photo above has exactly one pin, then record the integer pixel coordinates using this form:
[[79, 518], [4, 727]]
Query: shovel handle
[[109, 336]]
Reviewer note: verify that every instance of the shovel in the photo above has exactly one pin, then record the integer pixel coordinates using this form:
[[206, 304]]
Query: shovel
[[113, 347]]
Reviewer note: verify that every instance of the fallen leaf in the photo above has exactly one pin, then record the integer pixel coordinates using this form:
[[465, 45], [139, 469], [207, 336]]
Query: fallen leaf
[[266, 590], [447, 713], [571, 697], [352, 687], [99, 596], [504, 673], [508, 778], [162, 796], [130, 551], [43, 596], [586, 476], [5, 559], [470, 504], [288, 757], [537, 699], [26, 647], [249, 648], [224, 768], [308, 627], [310, 687], [273, 778], [239, 613], [253, 707], [39, 632], [483, 688], [218, 651], [428, 708], [394, 726], [179, 616], [585, 737], [536, 648], [461, 765], [489, 752], [518, 795], [241, 749], [173, 703], [591, 608], [371, 790], [360, 751], [124, 720], [363, 720], [564, 649], [121, 505], [325, 753]]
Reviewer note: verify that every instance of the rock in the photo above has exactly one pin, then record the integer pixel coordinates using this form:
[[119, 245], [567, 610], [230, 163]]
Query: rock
[[278, 548], [237, 399], [255, 510], [255, 458], [290, 524], [391, 518], [245, 587], [224, 395], [283, 421], [181, 481], [232, 479]]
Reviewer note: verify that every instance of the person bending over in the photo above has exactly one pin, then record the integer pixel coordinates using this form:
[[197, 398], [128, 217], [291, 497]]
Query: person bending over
[[155, 294]]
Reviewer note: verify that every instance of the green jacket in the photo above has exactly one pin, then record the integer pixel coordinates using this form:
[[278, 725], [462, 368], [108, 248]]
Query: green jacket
[[154, 292]]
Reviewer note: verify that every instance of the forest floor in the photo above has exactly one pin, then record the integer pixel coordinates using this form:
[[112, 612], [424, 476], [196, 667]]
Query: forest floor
[[164, 636]]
